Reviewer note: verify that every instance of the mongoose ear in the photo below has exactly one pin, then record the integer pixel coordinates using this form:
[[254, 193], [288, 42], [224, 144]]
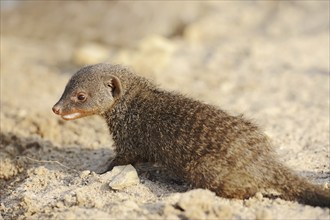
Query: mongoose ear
[[114, 84]]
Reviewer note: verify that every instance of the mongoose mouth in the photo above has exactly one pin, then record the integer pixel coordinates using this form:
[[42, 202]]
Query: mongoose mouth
[[77, 114], [72, 116]]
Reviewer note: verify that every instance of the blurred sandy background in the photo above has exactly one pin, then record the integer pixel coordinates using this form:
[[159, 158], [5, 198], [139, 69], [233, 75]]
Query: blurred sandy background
[[266, 59]]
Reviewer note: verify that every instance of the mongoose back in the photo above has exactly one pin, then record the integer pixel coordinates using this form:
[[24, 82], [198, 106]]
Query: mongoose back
[[201, 143]]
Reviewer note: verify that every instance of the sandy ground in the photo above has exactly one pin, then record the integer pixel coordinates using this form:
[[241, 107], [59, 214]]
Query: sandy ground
[[268, 60]]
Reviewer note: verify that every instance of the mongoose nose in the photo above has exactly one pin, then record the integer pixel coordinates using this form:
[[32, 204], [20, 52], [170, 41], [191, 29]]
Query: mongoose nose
[[56, 110]]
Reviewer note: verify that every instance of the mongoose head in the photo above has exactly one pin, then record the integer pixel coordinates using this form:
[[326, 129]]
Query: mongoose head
[[92, 90]]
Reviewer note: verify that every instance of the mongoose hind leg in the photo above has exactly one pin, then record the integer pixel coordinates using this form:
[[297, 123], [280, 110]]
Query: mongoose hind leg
[[225, 182]]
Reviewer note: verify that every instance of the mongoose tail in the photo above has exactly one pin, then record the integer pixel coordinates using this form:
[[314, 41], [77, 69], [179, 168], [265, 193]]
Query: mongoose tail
[[295, 188]]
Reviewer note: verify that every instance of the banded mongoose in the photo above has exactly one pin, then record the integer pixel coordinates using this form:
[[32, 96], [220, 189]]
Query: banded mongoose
[[201, 143]]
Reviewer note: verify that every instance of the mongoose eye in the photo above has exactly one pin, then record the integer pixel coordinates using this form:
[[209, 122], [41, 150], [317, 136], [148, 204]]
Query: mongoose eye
[[81, 97]]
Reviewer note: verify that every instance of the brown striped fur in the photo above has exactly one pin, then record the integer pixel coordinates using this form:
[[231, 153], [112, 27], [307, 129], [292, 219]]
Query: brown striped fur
[[201, 143]]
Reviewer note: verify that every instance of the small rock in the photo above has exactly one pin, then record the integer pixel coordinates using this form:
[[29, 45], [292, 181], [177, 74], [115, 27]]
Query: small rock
[[197, 199], [248, 202], [84, 173], [59, 204], [259, 196], [40, 171], [69, 200], [121, 177], [8, 168], [197, 204]]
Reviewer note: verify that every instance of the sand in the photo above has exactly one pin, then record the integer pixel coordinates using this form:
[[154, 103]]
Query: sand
[[268, 60]]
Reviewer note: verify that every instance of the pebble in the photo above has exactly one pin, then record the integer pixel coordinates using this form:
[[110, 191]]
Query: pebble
[[84, 174], [121, 177]]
